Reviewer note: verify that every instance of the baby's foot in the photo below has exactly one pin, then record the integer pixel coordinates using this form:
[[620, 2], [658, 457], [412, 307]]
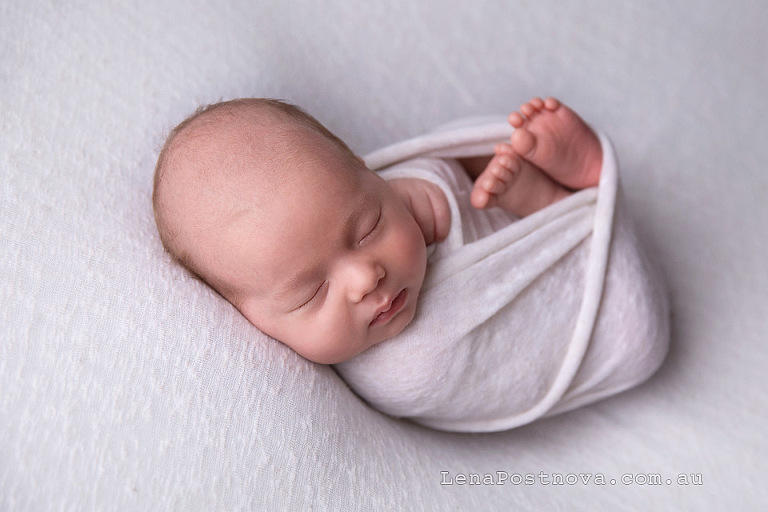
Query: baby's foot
[[496, 179], [514, 184], [556, 140]]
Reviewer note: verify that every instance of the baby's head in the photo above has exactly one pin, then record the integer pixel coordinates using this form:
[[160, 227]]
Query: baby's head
[[275, 213]]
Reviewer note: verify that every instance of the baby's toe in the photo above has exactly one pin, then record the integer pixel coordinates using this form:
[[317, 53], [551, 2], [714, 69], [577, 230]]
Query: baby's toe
[[516, 119], [523, 142], [489, 182], [480, 198], [504, 148], [504, 167], [527, 109], [552, 103], [537, 103]]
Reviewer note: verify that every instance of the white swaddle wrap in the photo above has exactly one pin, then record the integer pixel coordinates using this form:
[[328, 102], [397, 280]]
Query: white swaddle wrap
[[517, 319]]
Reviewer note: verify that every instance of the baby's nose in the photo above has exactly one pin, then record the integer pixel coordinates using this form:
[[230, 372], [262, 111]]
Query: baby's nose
[[363, 278]]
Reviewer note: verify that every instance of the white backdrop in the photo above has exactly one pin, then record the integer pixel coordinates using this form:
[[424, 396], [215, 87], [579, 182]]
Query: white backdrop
[[126, 385]]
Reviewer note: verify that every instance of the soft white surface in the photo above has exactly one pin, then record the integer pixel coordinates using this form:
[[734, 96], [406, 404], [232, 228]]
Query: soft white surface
[[125, 385]]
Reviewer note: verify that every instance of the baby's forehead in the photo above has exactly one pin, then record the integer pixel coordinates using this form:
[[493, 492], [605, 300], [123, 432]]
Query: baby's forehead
[[225, 149], [232, 161]]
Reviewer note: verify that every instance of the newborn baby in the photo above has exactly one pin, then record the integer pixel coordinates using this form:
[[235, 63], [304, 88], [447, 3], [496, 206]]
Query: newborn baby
[[278, 215]]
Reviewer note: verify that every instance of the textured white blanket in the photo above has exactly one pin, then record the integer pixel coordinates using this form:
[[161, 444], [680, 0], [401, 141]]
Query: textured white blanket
[[125, 385], [516, 320]]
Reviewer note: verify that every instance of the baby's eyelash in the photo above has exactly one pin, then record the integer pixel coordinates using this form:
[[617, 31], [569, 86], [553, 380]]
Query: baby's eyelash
[[373, 229], [314, 295]]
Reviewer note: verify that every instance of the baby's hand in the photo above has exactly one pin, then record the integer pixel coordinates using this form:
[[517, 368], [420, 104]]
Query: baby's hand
[[428, 205]]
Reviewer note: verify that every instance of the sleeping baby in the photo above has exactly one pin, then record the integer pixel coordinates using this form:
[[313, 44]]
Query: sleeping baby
[[483, 278]]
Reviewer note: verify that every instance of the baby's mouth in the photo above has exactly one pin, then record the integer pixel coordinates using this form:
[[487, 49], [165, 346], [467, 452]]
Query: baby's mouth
[[393, 309]]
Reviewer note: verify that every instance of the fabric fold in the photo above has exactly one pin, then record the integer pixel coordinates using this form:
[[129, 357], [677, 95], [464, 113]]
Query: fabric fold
[[517, 318]]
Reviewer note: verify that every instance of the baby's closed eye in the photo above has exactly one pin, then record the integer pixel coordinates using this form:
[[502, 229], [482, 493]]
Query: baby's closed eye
[[314, 295], [373, 230]]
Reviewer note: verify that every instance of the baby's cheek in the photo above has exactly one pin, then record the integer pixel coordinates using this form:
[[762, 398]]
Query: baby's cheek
[[320, 346], [331, 337]]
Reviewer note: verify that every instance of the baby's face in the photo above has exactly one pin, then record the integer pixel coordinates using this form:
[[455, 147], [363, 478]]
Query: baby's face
[[331, 262]]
